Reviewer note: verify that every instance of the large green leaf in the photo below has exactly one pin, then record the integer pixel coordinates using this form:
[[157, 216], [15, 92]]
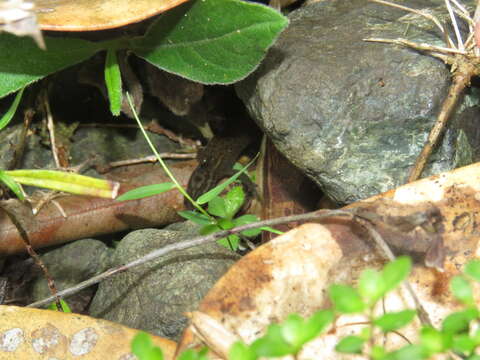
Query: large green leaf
[[22, 62], [211, 41]]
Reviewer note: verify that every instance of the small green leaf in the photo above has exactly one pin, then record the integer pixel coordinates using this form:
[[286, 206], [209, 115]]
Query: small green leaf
[[231, 242], [8, 116], [63, 304], [346, 299], [24, 63], [234, 200], [298, 331], [225, 224], [462, 290], [463, 344], [12, 185], [64, 181], [378, 352], [247, 219], [222, 50], [394, 320], [195, 217], [458, 322], [272, 344], [209, 229], [240, 351], [473, 269], [408, 352], [113, 80], [217, 190], [146, 191], [371, 286], [350, 345], [395, 272], [434, 341], [143, 348], [217, 207]]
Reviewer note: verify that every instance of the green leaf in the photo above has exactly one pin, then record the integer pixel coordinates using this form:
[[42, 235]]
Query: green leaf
[[64, 181], [459, 321], [209, 229], [272, 230], [350, 345], [146, 191], [371, 286], [25, 63], [473, 269], [231, 242], [378, 352], [463, 344], [12, 185], [217, 207], [434, 341], [63, 304], [217, 190], [395, 272], [8, 116], [462, 290], [195, 217], [247, 219], [113, 80], [240, 351], [298, 331], [346, 299], [143, 348], [408, 352], [211, 41], [225, 224], [394, 320], [272, 344], [234, 200]]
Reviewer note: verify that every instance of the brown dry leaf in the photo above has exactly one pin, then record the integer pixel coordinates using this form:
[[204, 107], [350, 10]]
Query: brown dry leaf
[[88, 15], [292, 272], [29, 334]]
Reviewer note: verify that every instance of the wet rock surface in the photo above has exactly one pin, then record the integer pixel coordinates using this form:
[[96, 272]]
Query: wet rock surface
[[353, 115], [154, 297]]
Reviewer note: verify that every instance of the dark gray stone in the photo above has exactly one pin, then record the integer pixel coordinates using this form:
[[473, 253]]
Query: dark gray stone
[[154, 297], [70, 264], [352, 115]]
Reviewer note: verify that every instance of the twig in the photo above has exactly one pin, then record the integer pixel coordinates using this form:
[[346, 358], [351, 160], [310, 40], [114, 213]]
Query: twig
[[150, 158], [420, 47], [26, 240], [316, 216], [51, 128], [460, 45], [461, 79], [200, 240], [421, 13]]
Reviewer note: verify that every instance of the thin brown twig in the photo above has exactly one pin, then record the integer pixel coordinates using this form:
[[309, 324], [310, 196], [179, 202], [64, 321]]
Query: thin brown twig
[[33, 254], [312, 216], [461, 79]]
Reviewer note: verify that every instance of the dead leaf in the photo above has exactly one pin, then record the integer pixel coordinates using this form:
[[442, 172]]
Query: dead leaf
[[292, 272], [89, 15], [29, 334]]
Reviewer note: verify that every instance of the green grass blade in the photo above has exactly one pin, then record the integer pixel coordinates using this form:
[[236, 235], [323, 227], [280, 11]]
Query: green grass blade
[[113, 80], [146, 191], [5, 119], [68, 182]]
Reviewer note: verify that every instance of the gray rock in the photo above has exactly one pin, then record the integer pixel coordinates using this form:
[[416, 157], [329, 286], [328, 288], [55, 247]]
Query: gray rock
[[70, 264], [352, 115], [154, 297]]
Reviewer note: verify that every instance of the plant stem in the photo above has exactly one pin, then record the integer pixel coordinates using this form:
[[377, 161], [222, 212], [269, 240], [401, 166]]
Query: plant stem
[[162, 163]]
